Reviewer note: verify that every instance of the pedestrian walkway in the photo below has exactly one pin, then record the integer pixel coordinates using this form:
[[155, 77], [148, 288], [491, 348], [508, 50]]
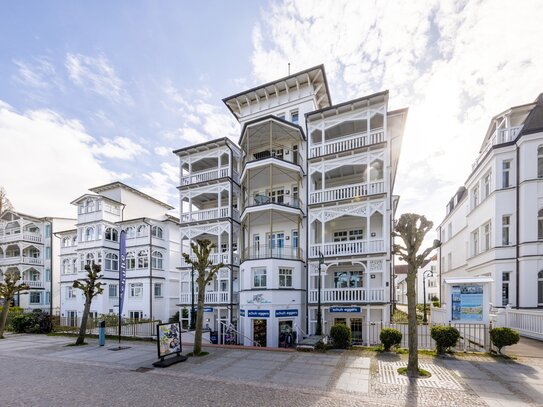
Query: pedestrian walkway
[[526, 348]]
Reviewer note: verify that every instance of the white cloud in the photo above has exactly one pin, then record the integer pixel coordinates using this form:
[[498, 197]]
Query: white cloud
[[97, 75], [455, 64], [47, 161], [163, 151], [162, 184], [38, 74], [120, 147]]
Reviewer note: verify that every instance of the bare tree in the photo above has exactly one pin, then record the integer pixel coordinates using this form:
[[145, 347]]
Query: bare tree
[[206, 271], [412, 229], [90, 289], [8, 289], [5, 204]]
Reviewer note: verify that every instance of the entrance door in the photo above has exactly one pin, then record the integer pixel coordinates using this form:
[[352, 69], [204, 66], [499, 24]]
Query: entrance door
[[356, 330], [259, 331], [286, 336], [72, 318]]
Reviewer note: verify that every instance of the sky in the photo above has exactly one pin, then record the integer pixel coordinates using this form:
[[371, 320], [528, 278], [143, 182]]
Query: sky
[[93, 92]]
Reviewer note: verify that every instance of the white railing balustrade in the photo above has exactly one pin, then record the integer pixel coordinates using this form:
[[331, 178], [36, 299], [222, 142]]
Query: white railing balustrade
[[348, 295], [32, 260], [346, 192], [206, 214], [214, 257], [347, 143], [33, 284], [529, 323], [212, 297], [202, 176], [347, 248], [500, 136], [28, 236]]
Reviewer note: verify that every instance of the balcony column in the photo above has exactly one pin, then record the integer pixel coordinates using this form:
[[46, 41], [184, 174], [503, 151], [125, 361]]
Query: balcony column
[[230, 163], [271, 232], [368, 225], [219, 248], [323, 227], [190, 206], [368, 325], [219, 196], [190, 169]]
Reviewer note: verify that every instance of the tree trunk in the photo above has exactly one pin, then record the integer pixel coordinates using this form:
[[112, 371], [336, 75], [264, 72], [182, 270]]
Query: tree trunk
[[199, 320], [4, 316], [413, 361], [83, 327]]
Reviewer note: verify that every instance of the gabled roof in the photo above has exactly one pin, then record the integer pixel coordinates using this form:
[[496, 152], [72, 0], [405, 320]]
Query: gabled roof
[[206, 146], [118, 184], [85, 196], [268, 118], [534, 121], [383, 94]]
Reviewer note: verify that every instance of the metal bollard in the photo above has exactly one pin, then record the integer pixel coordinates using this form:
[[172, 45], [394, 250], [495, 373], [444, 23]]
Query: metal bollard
[[102, 333]]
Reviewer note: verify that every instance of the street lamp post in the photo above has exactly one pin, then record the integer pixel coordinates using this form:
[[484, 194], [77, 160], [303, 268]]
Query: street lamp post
[[425, 274], [319, 311], [192, 315]]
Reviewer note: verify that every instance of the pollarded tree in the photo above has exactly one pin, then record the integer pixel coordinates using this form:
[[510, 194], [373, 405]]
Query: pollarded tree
[[8, 288], [206, 270], [412, 229], [5, 204], [91, 288]]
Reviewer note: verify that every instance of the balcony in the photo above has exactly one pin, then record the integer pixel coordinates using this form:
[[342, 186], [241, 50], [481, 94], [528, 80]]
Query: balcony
[[208, 175], [266, 252], [33, 284], [347, 143], [21, 259], [284, 200], [215, 258], [348, 295], [500, 136], [212, 297], [28, 236], [346, 192], [286, 155], [347, 248], [209, 214]]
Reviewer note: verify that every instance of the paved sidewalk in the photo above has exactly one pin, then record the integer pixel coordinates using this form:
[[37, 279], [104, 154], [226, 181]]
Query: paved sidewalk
[[464, 380]]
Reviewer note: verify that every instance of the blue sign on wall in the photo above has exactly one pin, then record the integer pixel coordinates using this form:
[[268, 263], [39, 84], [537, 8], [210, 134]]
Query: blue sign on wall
[[286, 313], [257, 313], [242, 312], [206, 309], [344, 309]]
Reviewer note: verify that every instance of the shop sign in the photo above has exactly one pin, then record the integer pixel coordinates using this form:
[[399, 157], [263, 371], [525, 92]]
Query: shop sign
[[206, 309], [258, 313], [344, 309], [241, 312], [286, 313]]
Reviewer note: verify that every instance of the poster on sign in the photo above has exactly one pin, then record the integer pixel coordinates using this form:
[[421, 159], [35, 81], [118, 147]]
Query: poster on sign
[[169, 339], [467, 302]]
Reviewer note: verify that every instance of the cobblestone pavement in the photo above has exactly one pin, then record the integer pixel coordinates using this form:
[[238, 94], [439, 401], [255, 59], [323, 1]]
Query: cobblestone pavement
[[255, 377]]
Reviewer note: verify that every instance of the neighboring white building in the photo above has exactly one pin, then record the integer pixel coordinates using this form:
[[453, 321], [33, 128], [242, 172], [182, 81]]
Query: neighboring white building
[[494, 224], [432, 282], [26, 245], [310, 178], [152, 260]]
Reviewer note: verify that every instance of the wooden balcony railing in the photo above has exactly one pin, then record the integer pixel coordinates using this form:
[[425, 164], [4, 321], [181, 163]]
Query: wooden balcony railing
[[346, 192], [347, 248], [348, 295], [347, 143]]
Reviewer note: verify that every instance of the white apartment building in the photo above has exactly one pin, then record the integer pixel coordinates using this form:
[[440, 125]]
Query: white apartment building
[[428, 284], [494, 223], [209, 209], [309, 178], [27, 246], [152, 254]]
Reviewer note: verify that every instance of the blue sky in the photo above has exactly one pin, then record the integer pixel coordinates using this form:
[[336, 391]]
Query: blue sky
[[97, 91]]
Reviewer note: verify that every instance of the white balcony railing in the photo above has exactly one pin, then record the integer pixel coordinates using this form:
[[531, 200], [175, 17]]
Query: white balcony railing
[[500, 136], [209, 214], [33, 283], [208, 175], [346, 192], [348, 295], [215, 258], [22, 259], [347, 143], [212, 297], [347, 248], [33, 260], [28, 236]]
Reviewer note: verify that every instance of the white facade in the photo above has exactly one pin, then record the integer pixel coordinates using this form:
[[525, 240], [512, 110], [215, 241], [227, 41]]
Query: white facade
[[312, 178], [152, 247], [26, 245], [428, 285], [494, 224]]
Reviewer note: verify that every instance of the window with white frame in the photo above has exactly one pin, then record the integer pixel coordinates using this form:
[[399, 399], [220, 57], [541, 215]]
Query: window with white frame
[[136, 315], [506, 224], [285, 277], [348, 279], [475, 242], [66, 266], [294, 117], [157, 232], [130, 232], [486, 185], [259, 277], [346, 235], [506, 173], [35, 297], [113, 290], [112, 262], [130, 261], [294, 238], [157, 260], [111, 234], [89, 234], [70, 293], [158, 290], [540, 288], [89, 259], [475, 197], [143, 259], [486, 236], [540, 162], [136, 290], [142, 231]]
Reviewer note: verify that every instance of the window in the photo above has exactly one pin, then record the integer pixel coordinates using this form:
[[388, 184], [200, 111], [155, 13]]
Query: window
[[431, 283], [294, 117], [136, 290], [357, 234], [340, 236], [505, 288], [142, 231], [259, 277], [157, 232], [506, 222], [475, 242], [143, 259], [113, 291], [47, 275], [348, 279], [486, 185], [345, 235], [158, 290], [35, 297], [47, 230], [89, 234], [130, 261], [540, 162], [156, 260], [540, 288], [89, 259], [285, 277], [294, 238], [47, 298], [70, 293], [475, 197], [486, 237], [130, 232], [112, 262], [506, 173], [112, 234], [540, 224], [136, 315], [376, 170], [89, 207], [66, 266]]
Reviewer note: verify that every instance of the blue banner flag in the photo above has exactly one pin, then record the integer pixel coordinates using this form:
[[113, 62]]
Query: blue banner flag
[[122, 270]]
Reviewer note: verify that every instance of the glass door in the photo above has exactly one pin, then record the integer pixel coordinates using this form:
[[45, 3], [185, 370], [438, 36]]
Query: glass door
[[259, 331]]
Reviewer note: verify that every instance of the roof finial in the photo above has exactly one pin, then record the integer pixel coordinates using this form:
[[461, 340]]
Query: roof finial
[[289, 69]]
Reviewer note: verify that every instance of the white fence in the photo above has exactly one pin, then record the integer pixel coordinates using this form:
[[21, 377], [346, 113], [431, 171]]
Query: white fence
[[528, 323]]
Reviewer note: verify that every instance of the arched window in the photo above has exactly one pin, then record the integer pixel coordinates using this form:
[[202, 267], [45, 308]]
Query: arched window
[[89, 259], [157, 232], [108, 234], [142, 230], [143, 259], [74, 241], [89, 234], [540, 224], [130, 261], [112, 262], [130, 232], [540, 288], [66, 266], [156, 260], [540, 162], [66, 242], [112, 234], [90, 206], [74, 265]]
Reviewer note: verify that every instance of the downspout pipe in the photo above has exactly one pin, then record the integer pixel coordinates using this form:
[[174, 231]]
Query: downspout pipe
[[517, 230]]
